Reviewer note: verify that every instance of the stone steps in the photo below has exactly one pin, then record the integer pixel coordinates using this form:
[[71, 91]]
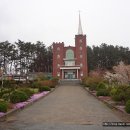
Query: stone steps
[[70, 82]]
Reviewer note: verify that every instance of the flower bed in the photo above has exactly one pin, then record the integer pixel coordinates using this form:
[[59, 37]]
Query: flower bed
[[32, 99]]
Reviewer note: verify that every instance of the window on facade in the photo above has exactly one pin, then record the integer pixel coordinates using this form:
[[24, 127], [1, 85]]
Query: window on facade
[[58, 74], [81, 64], [80, 48], [58, 56], [58, 48], [81, 55], [58, 65], [69, 54], [69, 63], [81, 74]]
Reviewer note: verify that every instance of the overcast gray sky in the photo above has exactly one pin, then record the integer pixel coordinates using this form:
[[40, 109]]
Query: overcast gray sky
[[103, 21]]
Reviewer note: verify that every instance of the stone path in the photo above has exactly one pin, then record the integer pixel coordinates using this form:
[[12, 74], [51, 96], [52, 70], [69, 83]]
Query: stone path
[[68, 107]]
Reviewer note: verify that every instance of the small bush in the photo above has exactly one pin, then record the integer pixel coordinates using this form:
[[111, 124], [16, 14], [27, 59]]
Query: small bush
[[101, 85], [121, 93], [113, 91], [6, 96], [55, 81], [28, 92], [5, 91], [44, 88], [18, 96], [46, 83], [3, 106], [35, 85], [91, 82], [102, 92], [92, 87], [127, 94], [119, 96], [127, 106]]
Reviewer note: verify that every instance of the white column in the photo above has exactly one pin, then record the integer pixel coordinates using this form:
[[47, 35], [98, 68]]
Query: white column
[[62, 74], [77, 74]]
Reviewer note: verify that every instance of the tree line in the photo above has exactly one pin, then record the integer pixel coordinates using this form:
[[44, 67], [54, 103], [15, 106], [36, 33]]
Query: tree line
[[106, 56], [23, 57]]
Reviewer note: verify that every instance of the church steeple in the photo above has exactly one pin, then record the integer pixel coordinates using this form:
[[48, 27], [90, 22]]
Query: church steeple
[[80, 31]]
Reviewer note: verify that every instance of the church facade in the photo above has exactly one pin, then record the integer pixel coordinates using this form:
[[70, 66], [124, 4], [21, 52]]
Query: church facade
[[70, 62]]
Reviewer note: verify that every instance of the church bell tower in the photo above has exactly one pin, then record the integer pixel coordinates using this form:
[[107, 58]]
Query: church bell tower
[[81, 50]]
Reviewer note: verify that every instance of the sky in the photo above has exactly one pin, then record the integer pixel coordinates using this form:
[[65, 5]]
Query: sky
[[103, 21]]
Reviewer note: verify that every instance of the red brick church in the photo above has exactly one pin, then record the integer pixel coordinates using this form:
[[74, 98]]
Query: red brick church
[[70, 62]]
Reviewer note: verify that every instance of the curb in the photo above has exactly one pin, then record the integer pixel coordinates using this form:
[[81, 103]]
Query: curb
[[9, 113]]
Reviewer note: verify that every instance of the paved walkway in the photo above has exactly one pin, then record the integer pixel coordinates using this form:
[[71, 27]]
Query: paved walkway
[[68, 107]]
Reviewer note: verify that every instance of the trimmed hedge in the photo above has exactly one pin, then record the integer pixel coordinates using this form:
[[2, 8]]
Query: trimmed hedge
[[3, 106], [18, 96]]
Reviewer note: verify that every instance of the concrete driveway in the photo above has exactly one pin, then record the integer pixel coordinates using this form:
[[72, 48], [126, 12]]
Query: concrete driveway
[[68, 107]]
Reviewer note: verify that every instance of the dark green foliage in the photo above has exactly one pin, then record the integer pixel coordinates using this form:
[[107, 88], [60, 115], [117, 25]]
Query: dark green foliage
[[44, 88], [127, 94], [3, 106], [92, 87], [127, 106], [7, 83], [92, 82], [102, 56], [121, 93], [35, 85], [18, 96], [6, 96], [5, 91], [102, 92], [54, 81], [28, 92], [101, 86]]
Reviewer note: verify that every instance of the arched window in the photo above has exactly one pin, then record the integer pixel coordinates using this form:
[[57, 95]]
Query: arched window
[[69, 54]]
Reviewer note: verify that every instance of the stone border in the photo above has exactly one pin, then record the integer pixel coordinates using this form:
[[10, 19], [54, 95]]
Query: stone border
[[9, 113], [108, 104]]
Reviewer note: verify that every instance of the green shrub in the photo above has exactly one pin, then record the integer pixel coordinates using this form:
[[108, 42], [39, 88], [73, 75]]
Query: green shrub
[[92, 87], [55, 81], [113, 91], [101, 85], [127, 106], [127, 94], [28, 92], [121, 93], [5, 91], [6, 96], [89, 81], [44, 88], [92, 82], [18, 96], [35, 85], [102, 92], [3, 106]]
